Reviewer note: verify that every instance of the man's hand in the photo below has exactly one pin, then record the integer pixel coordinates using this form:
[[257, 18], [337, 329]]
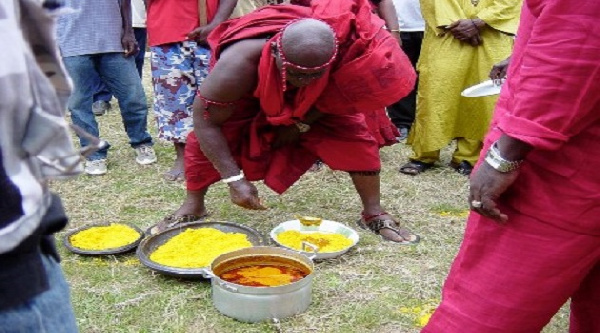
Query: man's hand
[[129, 44], [200, 34], [244, 194], [467, 30], [498, 71], [286, 135], [487, 184]]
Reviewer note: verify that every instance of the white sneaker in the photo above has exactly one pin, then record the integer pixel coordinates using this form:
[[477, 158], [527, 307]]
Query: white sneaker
[[145, 155], [95, 167]]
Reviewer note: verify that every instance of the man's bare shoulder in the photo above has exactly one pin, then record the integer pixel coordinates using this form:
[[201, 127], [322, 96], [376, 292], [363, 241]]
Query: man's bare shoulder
[[236, 72], [244, 51]]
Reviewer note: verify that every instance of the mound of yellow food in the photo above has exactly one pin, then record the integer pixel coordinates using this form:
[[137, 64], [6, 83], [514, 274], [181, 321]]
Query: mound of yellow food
[[104, 237], [197, 248], [327, 242]]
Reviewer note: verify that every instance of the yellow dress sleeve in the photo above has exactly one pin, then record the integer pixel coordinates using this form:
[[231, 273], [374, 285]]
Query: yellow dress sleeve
[[502, 15], [439, 13]]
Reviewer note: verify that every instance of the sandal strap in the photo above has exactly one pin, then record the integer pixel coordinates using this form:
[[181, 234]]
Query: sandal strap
[[175, 220], [366, 218], [379, 224]]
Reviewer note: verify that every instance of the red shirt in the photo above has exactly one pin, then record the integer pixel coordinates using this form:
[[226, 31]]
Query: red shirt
[[169, 21]]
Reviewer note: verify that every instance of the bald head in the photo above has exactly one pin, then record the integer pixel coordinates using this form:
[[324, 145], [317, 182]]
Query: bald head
[[308, 43]]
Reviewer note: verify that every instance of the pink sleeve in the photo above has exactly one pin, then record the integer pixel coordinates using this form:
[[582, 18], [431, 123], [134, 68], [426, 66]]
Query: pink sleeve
[[555, 79]]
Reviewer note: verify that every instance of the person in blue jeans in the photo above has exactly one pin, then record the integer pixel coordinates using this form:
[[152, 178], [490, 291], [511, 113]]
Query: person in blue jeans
[[35, 146], [108, 51], [103, 96]]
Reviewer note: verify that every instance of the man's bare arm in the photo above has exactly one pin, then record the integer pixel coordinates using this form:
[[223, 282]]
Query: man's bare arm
[[128, 38], [233, 77]]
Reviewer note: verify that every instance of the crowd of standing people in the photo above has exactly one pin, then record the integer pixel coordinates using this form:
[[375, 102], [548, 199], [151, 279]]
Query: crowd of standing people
[[266, 95]]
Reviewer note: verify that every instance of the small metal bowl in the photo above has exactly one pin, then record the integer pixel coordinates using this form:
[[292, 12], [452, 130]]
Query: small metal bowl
[[116, 250], [326, 226], [151, 243]]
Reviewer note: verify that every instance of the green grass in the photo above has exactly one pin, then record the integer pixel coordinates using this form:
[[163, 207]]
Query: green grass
[[376, 287]]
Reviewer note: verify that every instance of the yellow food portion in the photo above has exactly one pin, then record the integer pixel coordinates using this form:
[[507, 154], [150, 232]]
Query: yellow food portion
[[197, 248], [105, 237], [325, 241]]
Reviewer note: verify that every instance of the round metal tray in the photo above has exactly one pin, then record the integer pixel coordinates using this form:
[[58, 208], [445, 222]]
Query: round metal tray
[[150, 243], [117, 250], [326, 226]]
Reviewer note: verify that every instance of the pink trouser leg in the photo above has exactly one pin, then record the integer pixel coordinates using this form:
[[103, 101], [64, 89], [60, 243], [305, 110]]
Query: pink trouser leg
[[513, 278]]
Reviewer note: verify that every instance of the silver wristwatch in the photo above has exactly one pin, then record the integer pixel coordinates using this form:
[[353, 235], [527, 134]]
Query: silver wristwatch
[[302, 127], [496, 161]]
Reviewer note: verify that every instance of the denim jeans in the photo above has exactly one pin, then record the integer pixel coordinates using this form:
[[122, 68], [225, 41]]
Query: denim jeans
[[121, 77], [50, 311], [102, 92]]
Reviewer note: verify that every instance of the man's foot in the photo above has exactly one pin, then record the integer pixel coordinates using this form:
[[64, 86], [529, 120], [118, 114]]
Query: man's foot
[[414, 168], [172, 220], [388, 228], [174, 175], [464, 167], [95, 167], [145, 155], [100, 108]]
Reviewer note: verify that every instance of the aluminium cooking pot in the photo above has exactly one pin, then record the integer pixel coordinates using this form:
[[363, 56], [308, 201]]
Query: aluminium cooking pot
[[254, 304]]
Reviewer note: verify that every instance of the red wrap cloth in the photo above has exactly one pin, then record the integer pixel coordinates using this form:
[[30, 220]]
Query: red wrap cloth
[[370, 73]]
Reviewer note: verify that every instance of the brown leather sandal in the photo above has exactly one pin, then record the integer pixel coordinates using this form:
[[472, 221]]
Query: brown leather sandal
[[171, 221], [376, 224]]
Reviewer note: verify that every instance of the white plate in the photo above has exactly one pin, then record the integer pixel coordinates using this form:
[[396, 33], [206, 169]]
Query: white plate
[[326, 226], [485, 88]]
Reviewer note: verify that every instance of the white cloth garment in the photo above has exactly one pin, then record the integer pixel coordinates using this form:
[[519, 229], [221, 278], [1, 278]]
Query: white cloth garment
[[409, 15], [138, 14]]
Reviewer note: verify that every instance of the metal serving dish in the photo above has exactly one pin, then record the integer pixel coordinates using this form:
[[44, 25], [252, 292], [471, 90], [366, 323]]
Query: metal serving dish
[[325, 226], [151, 243], [116, 250]]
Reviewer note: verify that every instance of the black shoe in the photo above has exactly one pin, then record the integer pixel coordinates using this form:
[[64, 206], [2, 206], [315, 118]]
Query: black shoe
[[464, 167]]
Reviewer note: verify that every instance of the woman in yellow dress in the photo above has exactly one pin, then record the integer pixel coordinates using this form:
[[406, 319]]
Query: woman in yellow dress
[[463, 40]]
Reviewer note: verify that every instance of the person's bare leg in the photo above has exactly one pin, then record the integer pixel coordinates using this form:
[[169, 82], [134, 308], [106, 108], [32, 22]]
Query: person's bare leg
[[367, 185], [176, 173], [193, 204], [192, 209]]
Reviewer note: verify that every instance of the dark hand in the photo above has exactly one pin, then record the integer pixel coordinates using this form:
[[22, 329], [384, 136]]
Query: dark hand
[[129, 44], [487, 184], [498, 71], [200, 34], [286, 135], [464, 30], [476, 40], [244, 194]]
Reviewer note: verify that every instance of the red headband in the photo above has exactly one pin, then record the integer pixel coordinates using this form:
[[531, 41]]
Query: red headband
[[286, 63]]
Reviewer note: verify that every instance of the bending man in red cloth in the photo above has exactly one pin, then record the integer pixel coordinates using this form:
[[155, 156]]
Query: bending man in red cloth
[[291, 85]]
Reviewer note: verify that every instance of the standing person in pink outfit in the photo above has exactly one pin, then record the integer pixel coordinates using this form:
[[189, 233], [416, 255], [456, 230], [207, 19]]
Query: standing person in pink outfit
[[177, 31], [533, 240]]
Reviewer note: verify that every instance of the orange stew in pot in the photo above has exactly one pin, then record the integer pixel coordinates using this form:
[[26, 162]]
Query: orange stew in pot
[[269, 275]]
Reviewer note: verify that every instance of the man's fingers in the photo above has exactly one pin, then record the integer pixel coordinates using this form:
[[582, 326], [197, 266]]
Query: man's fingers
[[453, 25], [490, 209]]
